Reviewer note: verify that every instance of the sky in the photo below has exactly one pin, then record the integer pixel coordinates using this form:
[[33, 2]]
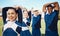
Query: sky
[[26, 3], [29, 4]]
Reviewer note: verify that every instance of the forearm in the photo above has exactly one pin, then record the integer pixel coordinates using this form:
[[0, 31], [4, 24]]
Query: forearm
[[44, 7], [56, 5]]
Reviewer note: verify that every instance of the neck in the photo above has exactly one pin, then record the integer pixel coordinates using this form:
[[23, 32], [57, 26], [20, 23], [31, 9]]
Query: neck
[[49, 12], [12, 21]]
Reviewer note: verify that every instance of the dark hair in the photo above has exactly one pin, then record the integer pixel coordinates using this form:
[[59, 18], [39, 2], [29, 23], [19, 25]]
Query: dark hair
[[13, 9], [35, 10], [4, 13], [50, 6]]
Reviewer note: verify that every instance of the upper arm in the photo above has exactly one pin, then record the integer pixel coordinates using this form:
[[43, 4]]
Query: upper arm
[[44, 8], [56, 6]]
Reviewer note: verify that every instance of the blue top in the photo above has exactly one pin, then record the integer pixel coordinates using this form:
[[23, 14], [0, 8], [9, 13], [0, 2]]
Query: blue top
[[36, 21], [23, 23], [51, 21], [10, 31]]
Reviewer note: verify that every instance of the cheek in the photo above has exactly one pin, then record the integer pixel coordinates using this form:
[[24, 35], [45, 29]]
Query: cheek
[[50, 8], [25, 14], [8, 16], [35, 13], [14, 16]]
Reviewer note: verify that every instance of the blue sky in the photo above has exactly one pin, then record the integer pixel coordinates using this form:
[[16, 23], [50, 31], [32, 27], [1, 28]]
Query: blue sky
[[26, 3]]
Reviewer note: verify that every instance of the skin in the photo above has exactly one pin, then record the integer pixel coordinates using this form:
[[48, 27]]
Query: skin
[[49, 9], [56, 7], [11, 15], [36, 13], [25, 14]]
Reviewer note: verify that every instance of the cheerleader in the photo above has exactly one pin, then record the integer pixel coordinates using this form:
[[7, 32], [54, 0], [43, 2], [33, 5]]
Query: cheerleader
[[25, 24], [51, 18], [10, 27], [36, 23]]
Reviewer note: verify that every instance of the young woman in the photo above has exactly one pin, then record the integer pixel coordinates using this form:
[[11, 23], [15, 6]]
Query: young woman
[[51, 18], [25, 24], [36, 23], [10, 27]]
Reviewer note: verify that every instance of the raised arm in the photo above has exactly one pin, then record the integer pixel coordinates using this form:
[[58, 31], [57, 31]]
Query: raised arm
[[44, 7], [56, 5]]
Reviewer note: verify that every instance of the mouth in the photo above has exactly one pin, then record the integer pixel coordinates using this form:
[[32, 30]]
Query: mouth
[[11, 17]]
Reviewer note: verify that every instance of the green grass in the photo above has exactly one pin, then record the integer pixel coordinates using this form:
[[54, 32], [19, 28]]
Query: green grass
[[59, 27], [1, 24], [42, 27]]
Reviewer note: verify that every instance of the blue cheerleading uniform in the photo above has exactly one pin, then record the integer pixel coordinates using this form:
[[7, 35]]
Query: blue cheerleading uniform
[[10, 32], [51, 23], [25, 32], [36, 25], [9, 28]]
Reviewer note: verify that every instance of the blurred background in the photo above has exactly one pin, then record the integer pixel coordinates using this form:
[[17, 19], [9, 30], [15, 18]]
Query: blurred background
[[29, 4]]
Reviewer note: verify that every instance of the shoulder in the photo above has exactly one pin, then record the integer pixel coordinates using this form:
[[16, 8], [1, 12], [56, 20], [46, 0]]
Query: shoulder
[[18, 23], [56, 11]]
